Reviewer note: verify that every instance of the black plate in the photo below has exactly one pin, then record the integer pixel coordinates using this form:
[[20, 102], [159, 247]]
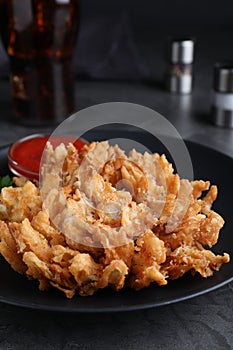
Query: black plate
[[208, 164]]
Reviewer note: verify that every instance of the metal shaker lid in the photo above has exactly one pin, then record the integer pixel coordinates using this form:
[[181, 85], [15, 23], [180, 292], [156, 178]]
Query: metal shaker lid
[[223, 77], [182, 51]]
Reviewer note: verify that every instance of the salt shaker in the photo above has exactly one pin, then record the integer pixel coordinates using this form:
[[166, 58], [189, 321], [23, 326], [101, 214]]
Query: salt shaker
[[179, 77], [222, 95]]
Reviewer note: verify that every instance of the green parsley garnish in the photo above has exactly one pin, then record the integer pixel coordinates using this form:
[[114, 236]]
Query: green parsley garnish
[[5, 181]]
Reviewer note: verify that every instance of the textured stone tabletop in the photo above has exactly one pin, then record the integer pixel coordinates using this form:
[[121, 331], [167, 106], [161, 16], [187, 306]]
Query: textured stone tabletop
[[201, 323]]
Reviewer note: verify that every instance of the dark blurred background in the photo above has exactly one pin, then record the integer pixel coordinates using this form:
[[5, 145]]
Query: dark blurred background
[[126, 39], [151, 13], [149, 23]]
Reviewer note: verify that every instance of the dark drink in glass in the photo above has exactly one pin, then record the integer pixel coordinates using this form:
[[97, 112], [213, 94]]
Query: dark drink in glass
[[40, 37]]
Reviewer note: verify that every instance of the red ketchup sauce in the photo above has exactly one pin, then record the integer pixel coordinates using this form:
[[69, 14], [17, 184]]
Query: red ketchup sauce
[[24, 155]]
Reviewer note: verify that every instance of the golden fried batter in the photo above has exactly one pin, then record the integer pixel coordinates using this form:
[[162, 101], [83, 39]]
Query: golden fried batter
[[108, 221]]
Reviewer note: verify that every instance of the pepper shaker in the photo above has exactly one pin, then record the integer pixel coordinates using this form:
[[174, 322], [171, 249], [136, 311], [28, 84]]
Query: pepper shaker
[[179, 77], [222, 95]]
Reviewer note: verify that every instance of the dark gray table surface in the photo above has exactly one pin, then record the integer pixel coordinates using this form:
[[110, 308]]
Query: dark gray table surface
[[205, 322]]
